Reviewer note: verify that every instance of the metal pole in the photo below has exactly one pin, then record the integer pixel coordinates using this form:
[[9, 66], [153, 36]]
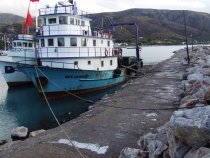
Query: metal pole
[[192, 43], [185, 30], [5, 42], [137, 42]]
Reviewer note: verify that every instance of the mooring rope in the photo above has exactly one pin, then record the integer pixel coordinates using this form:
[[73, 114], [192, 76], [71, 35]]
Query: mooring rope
[[68, 137]]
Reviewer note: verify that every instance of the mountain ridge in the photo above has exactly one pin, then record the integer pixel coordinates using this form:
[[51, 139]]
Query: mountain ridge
[[154, 24]]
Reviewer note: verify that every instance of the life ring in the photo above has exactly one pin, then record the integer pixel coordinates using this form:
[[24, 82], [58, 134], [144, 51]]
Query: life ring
[[114, 52], [106, 52]]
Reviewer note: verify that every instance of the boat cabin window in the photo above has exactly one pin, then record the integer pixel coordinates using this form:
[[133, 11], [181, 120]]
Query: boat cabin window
[[25, 44], [108, 43], [30, 45], [89, 62], [94, 42], [102, 63], [111, 62], [42, 43], [41, 22], [45, 21], [72, 21], [83, 42], [52, 21], [82, 23], [61, 42], [73, 41], [50, 42], [77, 22], [63, 20], [19, 44], [14, 44]]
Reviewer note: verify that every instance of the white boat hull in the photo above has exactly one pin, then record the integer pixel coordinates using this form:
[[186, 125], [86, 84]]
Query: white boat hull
[[16, 78]]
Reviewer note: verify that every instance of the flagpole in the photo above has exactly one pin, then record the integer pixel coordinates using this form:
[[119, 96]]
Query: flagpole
[[36, 17]]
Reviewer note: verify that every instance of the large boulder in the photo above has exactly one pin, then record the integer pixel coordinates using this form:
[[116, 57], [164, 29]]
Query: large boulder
[[155, 143], [176, 149], [19, 133], [191, 126], [200, 153], [156, 149]]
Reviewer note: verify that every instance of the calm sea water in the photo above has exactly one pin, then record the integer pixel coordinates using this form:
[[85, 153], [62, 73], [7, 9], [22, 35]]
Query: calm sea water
[[23, 106]]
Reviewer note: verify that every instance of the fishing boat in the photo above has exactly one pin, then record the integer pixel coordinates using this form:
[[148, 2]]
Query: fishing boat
[[72, 56], [22, 51]]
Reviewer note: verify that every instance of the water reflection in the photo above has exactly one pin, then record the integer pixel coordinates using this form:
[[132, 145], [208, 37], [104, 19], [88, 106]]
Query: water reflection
[[24, 107]]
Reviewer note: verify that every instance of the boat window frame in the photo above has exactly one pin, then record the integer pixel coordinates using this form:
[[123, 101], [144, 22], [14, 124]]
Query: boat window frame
[[71, 21], [102, 63], [30, 45], [49, 42], [84, 42], [82, 23], [72, 42], [42, 42], [61, 43], [111, 62], [63, 19], [89, 62], [52, 22], [94, 42], [25, 44], [19, 44], [108, 43], [14, 44]]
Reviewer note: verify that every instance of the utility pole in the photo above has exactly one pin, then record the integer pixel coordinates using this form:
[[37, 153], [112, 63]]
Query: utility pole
[[186, 40], [192, 41]]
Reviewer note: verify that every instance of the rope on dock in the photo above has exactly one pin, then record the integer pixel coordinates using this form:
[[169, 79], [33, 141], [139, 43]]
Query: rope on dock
[[68, 137]]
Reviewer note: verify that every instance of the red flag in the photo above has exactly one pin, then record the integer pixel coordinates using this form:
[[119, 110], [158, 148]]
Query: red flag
[[29, 19], [34, 0]]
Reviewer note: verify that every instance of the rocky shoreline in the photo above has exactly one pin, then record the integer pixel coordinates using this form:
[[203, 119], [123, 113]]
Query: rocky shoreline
[[186, 134]]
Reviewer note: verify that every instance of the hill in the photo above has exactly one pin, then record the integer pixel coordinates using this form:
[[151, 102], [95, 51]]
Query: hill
[[161, 25], [155, 26], [6, 18]]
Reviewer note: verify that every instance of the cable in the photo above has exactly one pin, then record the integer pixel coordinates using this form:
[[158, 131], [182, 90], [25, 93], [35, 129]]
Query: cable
[[56, 117]]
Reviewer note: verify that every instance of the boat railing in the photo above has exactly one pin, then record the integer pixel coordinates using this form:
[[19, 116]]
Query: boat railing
[[65, 9], [66, 52], [62, 65], [69, 29], [63, 29]]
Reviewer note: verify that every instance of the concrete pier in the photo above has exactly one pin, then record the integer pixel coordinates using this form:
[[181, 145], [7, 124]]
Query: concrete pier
[[115, 122]]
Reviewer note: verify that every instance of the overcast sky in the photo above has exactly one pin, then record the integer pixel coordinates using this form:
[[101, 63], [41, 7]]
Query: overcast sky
[[19, 7]]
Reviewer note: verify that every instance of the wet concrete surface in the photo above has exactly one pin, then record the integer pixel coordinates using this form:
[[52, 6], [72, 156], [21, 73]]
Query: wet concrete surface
[[115, 122]]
